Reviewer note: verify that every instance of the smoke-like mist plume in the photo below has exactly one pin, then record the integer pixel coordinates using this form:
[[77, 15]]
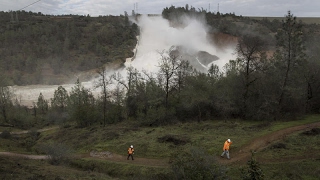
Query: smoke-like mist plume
[[190, 34], [156, 35]]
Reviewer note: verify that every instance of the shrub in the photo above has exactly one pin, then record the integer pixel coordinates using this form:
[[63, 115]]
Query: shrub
[[31, 139], [253, 170], [5, 134], [196, 164], [57, 152], [173, 139], [312, 132]]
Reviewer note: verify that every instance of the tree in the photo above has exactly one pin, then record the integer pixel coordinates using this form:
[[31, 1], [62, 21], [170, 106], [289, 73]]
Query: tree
[[81, 105], [196, 96], [169, 64], [253, 170], [5, 101], [130, 84], [184, 70], [42, 104], [103, 83], [60, 98], [290, 61], [251, 55]]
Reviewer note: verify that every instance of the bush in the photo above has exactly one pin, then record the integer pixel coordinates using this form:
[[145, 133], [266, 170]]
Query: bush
[[31, 139], [57, 152], [253, 170], [56, 117], [279, 146], [312, 132], [196, 164], [173, 139], [5, 134]]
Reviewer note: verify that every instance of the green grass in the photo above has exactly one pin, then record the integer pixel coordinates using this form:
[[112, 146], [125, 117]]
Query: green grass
[[208, 135], [295, 146], [120, 170], [15, 168]]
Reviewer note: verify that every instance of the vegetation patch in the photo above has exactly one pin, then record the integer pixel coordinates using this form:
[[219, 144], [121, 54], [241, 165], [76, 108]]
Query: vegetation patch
[[173, 139], [258, 127], [312, 132], [5, 134], [111, 135], [279, 146], [196, 164]]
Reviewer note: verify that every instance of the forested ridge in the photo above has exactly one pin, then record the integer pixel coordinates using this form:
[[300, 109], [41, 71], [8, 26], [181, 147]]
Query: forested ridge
[[44, 49], [275, 75]]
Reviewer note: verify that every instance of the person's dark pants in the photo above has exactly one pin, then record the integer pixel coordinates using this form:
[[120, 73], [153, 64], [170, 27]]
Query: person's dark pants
[[129, 156]]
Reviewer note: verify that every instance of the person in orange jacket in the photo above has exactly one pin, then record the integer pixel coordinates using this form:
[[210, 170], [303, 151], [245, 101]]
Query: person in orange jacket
[[130, 152], [226, 147]]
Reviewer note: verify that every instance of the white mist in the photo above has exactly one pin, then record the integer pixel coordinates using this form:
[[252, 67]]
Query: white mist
[[156, 35]]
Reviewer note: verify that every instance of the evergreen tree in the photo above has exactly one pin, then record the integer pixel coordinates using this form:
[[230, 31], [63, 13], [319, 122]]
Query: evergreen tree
[[290, 61], [42, 104], [60, 98], [253, 170]]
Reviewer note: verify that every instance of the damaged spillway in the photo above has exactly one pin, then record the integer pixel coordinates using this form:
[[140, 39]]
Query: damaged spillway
[[190, 40]]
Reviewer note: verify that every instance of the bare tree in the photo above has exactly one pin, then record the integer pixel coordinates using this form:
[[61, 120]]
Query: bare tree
[[104, 81], [169, 65], [251, 53], [130, 84]]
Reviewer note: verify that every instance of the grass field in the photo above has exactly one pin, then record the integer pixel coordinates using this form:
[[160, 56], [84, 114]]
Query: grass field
[[296, 156]]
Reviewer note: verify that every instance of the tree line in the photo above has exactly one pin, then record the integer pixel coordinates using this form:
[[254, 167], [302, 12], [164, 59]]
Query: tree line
[[254, 86]]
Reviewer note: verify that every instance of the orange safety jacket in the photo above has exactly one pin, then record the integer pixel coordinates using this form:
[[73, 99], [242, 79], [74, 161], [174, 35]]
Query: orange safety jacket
[[226, 145], [130, 150]]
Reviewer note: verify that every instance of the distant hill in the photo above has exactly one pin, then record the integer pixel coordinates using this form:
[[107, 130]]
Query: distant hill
[[44, 49]]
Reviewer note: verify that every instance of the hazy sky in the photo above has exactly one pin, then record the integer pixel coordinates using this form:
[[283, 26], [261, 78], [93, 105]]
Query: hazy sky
[[265, 8]]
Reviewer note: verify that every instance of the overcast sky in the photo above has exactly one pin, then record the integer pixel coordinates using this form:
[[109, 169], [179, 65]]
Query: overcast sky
[[264, 8]]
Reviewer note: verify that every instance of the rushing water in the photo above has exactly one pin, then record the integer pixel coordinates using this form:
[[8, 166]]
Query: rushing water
[[156, 35]]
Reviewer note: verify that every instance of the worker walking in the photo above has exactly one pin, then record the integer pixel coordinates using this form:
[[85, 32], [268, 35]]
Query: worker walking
[[226, 147], [130, 152]]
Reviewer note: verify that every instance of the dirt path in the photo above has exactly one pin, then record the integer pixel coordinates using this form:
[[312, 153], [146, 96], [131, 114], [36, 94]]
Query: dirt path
[[39, 130], [240, 157], [26, 156], [259, 143]]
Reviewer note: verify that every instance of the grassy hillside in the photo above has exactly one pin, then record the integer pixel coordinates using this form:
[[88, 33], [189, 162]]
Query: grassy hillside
[[156, 147]]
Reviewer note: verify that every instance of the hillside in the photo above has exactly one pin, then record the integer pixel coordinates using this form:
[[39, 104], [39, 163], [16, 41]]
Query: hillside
[[102, 151], [44, 49]]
